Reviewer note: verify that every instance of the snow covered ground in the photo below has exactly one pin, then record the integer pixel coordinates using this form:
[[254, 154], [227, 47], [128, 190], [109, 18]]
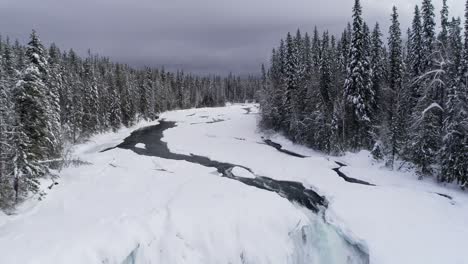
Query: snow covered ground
[[127, 208]]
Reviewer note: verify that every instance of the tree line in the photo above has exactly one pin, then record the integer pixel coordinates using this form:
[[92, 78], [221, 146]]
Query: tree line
[[404, 100], [50, 99]]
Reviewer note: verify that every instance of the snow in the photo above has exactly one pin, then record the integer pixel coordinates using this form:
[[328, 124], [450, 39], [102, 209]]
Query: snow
[[140, 145], [401, 220], [126, 208], [432, 106], [243, 173]]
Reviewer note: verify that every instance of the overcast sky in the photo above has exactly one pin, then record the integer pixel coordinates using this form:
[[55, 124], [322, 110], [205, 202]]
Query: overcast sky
[[200, 36]]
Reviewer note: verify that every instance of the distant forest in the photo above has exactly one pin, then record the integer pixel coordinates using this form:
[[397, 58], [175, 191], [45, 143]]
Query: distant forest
[[402, 100], [50, 99]]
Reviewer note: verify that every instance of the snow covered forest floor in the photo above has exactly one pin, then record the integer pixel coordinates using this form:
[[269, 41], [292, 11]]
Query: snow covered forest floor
[[130, 208]]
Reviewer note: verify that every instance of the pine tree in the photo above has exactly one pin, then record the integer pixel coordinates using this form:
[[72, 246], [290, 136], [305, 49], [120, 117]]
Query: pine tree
[[368, 73], [428, 33], [358, 91], [90, 119], [377, 66], [5, 146], [302, 54], [307, 57], [315, 49], [345, 48], [427, 117], [147, 96], [54, 83], [416, 59], [20, 56], [277, 81], [7, 75], [292, 82], [26, 168], [425, 135], [455, 142], [115, 114], [394, 112], [444, 24], [30, 139], [464, 64], [30, 101], [122, 84], [325, 92], [8, 64], [74, 97]]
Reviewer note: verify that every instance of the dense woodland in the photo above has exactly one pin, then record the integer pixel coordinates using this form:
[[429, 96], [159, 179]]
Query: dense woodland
[[404, 98], [51, 99]]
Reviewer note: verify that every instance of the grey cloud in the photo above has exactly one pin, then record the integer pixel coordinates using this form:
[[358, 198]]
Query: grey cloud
[[200, 36]]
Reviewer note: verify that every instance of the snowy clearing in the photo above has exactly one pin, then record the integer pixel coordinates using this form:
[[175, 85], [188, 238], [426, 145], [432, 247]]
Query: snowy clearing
[[130, 208]]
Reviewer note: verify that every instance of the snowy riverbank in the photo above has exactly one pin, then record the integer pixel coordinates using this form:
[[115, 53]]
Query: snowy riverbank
[[128, 208]]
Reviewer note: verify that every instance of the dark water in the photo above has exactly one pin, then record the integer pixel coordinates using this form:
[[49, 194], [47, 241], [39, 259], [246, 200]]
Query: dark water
[[151, 136], [278, 147], [349, 179]]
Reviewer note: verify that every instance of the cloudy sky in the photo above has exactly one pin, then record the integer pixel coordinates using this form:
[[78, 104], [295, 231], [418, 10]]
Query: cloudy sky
[[200, 36]]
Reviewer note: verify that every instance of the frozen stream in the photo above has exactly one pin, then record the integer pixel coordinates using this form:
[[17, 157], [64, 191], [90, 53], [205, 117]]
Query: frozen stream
[[315, 243]]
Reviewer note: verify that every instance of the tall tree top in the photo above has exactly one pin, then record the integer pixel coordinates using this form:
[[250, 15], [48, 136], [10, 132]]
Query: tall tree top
[[358, 26], [416, 25], [357, 16], [395, 32], [35, 52], [428, 17], [444, 23], [357, 9], [465, 51]]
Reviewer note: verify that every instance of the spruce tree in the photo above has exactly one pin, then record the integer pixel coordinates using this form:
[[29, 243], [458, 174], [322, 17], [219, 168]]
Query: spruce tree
[[377, 66], [427, 117], [74, 97], [300, 94], [315, 49], [428, 33], [90, 119], [394, 112], [30, 135], [7, 77], [146, 96], [325, 92], [292, 81], [444, 24], [30, 100], [122, 84], [307, 56], [278, 86], [464, 62], [455, 142], [5, 147], [115, 114], [55, 85], [416, 59], [455, 148], [358, 90]]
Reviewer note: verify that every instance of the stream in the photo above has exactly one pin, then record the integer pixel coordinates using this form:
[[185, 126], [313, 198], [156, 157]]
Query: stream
[[295, 192], [338, 171]]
